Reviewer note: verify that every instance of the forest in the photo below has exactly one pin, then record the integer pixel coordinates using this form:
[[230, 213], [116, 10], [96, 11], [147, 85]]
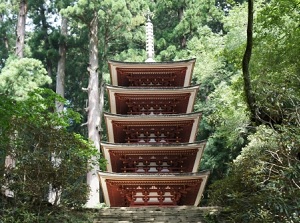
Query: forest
[[53, 63]]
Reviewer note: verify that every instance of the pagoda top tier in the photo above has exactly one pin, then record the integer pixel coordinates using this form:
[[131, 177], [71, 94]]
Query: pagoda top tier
[[151, 74]]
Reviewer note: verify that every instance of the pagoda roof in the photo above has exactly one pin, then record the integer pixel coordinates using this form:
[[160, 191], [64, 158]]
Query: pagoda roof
[[179, 99], [119, 186], [175, 88], [183, 70], [185, 125], [113, 152]]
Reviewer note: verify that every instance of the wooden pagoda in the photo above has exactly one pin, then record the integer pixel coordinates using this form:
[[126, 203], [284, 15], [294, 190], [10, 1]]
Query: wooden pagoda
[[152, 156]]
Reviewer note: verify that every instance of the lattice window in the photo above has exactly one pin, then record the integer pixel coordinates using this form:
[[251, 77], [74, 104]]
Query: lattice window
[[166, 134], [153, 163], [155, 77], [152, 107], [148, 80], [147, 104]]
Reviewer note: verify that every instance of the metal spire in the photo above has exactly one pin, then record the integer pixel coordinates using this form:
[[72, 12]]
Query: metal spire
[[149, 40]]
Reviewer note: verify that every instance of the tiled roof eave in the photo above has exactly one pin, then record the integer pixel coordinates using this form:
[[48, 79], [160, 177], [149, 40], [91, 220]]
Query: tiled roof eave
[[158, 176], [108, 86], [152, 117], [110, 61]]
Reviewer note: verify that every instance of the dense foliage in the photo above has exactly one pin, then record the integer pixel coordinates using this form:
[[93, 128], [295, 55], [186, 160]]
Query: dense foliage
[[263, 183], [39, 151], [254, 166]]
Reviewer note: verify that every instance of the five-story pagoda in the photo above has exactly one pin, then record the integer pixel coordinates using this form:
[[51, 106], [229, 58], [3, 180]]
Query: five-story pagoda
[[152, 156]]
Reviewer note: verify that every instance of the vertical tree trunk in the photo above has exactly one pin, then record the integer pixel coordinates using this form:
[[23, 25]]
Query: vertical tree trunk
[[60, 77], [245, 64], [20, 41], [180, 17], [5, 39], [21, 29], [55, 193], [93, 110], [44, 27]]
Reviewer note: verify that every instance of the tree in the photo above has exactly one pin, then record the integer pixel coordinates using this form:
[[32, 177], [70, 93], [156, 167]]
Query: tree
[[91, 21], [94, 124], [8, 19], [177, 22], [21, 28], [21, 76], [44, 39], [245, 64], [275, 76], [263, 184], [36, 140], [126, 42], [105, 22], [61, 66]]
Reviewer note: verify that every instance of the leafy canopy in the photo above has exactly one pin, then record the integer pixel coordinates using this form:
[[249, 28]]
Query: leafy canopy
[[21, 76]]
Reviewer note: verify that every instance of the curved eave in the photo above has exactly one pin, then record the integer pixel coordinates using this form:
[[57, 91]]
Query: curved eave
[[154, 176], [119, 117], [160, 92], [189, 64], [149, 89], [158, 145], [116, 62]]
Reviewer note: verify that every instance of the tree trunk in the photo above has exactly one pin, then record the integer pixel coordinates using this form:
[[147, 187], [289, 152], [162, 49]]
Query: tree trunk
[[21, 29], [250, 99], [180, 17], [60, 77], [93, 111], [44, 27], [10, 160], [54, 193], [5, 39]]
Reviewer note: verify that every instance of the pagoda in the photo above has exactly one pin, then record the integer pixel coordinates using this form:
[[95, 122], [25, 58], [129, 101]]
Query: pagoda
[[152, 157]]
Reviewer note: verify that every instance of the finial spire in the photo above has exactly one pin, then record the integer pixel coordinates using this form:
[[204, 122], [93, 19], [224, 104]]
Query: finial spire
[[149, 39]]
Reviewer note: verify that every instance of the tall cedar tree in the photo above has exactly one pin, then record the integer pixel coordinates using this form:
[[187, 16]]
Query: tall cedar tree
[[61, 66], [21, 29]]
